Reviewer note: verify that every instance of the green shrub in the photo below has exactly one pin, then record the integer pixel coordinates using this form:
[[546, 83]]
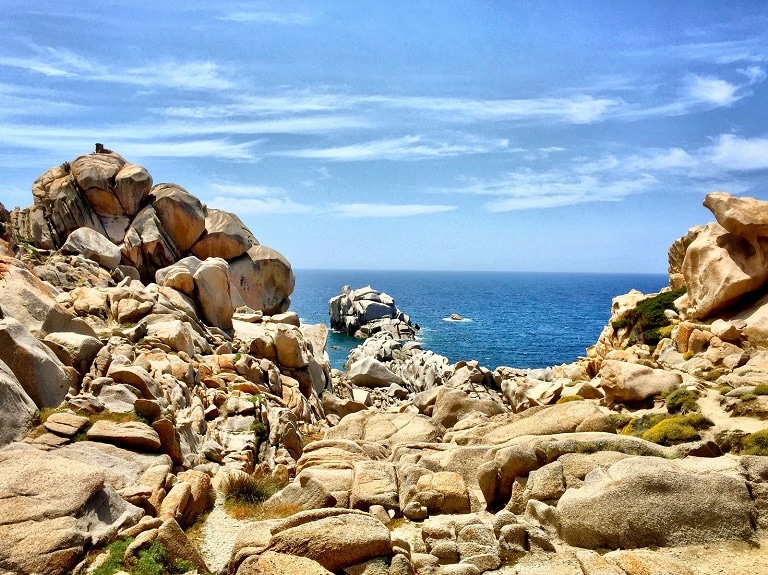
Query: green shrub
[[681, 400], [761, 389], [260, 430], [688, 355], [243, 488], [748, 397], [647, 322], [725, 389], [150, 561], [676, 429], [755, 443], [115, 562], [639, 425], [567, 398], [620, 420]]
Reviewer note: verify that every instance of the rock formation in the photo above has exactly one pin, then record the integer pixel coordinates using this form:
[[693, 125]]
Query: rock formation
[[119, 216], [365, 311], [139, 391]]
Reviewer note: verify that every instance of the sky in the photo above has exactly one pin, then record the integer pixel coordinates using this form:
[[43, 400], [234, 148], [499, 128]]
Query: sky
[[446, 135]]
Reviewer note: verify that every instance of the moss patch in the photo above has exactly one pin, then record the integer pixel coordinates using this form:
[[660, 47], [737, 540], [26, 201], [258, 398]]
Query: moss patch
[[755, 443]]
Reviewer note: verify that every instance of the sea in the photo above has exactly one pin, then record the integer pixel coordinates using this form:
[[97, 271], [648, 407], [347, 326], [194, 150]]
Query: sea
[[517, 319]]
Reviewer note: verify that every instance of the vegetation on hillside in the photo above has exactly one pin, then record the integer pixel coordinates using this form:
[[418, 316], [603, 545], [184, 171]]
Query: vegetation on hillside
[[646, 322]]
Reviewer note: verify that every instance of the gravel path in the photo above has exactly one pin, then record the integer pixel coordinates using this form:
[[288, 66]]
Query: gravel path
[[218, 537]]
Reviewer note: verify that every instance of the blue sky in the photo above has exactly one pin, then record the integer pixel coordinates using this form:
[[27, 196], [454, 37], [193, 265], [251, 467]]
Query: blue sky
[[468, 135]]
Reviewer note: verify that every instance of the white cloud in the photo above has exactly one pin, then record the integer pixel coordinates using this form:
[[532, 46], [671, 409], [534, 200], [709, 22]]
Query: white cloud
[[285, 18], [259, 206], [191, 75], [405, 148], [755, 74], [712, 90], [194, 149], [246, 191], [388, 210], [739, 154], [527, 189]]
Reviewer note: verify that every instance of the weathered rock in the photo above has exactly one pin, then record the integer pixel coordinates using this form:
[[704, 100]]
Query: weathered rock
[[264, 279], [365, 312], [147, 246], [562, 418], [335, 541], [375, 483], [17, 411], [44, 378], [94, 246], [132, 185], [178, 547], [212, 283], [53, 509], [24, 297], [182, 214], [132, 434], [452, 405], [225, 236], [624, 381], [74, 349], [719, 268], [95, 174], [644, 501], [443, 492], [65, 424], [271, 563], [369, 372], [386, 428]]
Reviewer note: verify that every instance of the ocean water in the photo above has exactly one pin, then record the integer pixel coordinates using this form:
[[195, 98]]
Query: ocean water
[[517, 319]]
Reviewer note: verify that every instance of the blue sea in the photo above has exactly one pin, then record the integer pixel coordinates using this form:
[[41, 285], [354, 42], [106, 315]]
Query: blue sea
[[517, 319]]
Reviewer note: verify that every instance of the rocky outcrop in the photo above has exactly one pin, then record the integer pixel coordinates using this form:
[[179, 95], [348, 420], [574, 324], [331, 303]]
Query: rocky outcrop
[[365, 311], [117, 215]]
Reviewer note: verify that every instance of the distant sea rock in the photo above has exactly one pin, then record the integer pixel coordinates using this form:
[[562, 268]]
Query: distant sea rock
[[366, 311]]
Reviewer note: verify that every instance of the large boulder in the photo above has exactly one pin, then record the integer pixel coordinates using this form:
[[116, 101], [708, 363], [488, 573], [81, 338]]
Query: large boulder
[[94, 246], [44, 378], [53, 510], [132, 185], [335, 538], [622, 381], [369, 372], [645, 501], [719, 268], [744, 217], [212, 283], [387, 428], [181, 213], [264, 279], [451, 405], [225, 236], [17, 411], [95, 174], [566, 417], [147, 245]]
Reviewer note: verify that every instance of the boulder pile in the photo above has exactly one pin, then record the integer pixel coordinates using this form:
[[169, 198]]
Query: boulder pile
[[139, 387], [364, 312]]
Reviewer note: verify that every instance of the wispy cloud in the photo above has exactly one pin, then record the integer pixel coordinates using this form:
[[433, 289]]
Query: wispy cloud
[[388, 210], [190, 75], [526, 189], [405, 148], [284, 18], [609, 178], [732, 153], [726, 52]]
